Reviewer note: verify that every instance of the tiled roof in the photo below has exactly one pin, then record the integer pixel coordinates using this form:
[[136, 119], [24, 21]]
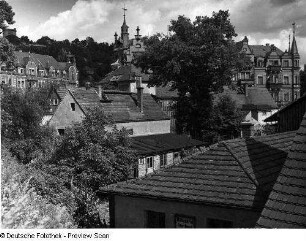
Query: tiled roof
[[125, 73], [286, 206], [235, 173], [165, 92], [259, 98], [275, 116], [40, 60], [124, 107], [263, 50], [255, 98], [162, 143], [61, 91], [86, 99]]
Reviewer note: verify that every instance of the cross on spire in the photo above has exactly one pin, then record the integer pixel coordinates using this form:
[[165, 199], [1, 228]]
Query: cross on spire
[[124, 9], [293, 29]]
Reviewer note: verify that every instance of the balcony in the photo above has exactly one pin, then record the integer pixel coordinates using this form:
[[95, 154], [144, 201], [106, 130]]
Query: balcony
[[274, 68]]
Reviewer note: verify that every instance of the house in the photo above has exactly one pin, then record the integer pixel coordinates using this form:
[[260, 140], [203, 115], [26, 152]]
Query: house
[[285, 207], [37, 70], [271, 68], [225, 187], [161, 151], [256, 103], [137, 112], [290, 116]]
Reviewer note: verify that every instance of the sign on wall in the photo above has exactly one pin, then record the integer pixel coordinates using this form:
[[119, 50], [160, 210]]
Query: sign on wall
[[182, 221]]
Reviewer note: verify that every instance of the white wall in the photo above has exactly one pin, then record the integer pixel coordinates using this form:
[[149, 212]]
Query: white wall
[[146, 89]]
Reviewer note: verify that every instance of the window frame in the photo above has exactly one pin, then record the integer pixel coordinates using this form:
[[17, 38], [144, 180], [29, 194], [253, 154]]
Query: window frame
[[150, 162], [161, 217], [163, 160], [192, 218]]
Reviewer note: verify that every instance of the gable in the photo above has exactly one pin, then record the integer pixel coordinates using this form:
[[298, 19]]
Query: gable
[[64, 116]]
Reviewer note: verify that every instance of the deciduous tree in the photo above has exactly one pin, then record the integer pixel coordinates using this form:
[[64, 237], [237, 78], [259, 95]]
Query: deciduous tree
[[197, 58]]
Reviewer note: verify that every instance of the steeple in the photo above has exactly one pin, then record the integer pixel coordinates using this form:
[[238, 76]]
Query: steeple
[[124, 31], [289, 45], [137, 36], [294, 49]]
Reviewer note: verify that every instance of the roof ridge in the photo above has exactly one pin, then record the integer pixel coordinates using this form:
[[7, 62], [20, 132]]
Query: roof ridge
[[240, 164]]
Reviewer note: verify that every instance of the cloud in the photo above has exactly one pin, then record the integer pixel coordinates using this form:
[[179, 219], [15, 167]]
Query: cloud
[[261, 20]]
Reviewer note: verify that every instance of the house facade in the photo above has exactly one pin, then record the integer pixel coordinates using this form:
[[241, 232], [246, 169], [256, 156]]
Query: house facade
[[271, 68], [36, 70], [225, 187]]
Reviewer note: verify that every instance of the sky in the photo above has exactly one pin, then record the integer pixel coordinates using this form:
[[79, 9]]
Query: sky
[[262, 21]]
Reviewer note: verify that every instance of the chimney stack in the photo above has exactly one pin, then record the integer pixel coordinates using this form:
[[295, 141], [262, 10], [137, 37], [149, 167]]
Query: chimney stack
[[100, 92], [139, 93]]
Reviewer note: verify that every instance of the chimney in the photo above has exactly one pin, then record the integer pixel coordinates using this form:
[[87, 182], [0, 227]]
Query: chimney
[[100, 92], [139, 93], [246, 129]]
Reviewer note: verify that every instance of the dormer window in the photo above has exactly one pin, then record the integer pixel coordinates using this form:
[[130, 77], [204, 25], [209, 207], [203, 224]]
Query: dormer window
[[286, 63]]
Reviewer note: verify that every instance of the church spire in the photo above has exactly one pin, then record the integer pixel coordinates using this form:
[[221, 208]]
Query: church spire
[[289, 44], [294, 49], [124, 30]]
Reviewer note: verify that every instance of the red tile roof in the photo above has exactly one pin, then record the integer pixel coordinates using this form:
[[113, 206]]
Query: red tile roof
[[157, 144], [235, 173], [286, 206]]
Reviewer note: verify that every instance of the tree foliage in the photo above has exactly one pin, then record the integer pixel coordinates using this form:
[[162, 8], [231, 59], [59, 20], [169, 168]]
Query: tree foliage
[[23, 204], [6, 14], [197, 59], [6, 53], [95, 156], [21, 129]]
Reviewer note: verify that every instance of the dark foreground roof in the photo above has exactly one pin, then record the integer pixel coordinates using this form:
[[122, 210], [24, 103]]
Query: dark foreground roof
[[236, 173], [286, 206], [275, 116], [145, 145]]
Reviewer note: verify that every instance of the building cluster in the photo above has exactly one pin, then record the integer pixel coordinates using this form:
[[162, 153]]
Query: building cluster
[[175, 182], [37, 70], [271, 68]]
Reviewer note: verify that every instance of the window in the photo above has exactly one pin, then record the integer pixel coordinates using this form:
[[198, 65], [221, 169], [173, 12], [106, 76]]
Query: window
[[296, 63], [286, 96], [182, 221], [275, 62], [61, 132], [247, 75], [21, 71], [286, 80], [218, 223], [295, 95], [150, 162], [163, 160], [155, 219], [141, 161], [260, 80], [286, 63], [55, 101], [176, 155], [296, 82], [72, 106]]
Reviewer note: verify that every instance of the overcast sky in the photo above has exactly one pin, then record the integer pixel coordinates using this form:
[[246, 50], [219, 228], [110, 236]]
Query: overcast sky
[[263, 21]]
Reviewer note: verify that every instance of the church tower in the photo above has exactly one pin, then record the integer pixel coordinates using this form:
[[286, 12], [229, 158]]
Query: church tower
[[124, 31]]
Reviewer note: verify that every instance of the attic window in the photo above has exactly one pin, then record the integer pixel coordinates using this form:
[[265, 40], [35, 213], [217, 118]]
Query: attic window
[[72, 106]]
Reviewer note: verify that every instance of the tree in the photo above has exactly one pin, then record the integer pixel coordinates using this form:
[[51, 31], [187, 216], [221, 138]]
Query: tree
[[197, 59], [225, 120], [21, 118], [95, 156], [7, 55], [6, 14]]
